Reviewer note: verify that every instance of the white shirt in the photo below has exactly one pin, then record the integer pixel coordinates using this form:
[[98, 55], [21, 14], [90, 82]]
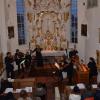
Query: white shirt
[[74, 97]]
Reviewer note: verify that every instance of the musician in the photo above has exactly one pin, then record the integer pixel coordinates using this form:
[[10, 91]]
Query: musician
[[39, 58], [92, 68], [9, 65], [70, 71], [63, 65], [19, 58], [73, 52], [27, 59]]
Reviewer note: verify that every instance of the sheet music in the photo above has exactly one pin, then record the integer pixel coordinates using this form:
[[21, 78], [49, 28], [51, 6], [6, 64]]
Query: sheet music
[[72, 87], [10, 80], [94, 86], [81, 86], [18, 90], [28, 89], [8, 90]]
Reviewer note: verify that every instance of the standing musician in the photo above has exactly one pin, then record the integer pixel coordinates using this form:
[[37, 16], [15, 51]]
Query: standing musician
[[69, 68], [39, 58], [9, 65], [19, 56], [92, 69], [28, 59]]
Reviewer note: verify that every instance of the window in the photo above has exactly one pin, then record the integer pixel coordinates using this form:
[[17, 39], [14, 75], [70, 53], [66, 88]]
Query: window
[[74, 21], [20, 21], [92, 3], [84, 29]]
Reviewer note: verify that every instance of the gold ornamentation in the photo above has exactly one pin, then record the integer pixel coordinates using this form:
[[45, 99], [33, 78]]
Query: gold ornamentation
[[68, 5], [29, 2], [47, 22], [29, 17], [66, 16]]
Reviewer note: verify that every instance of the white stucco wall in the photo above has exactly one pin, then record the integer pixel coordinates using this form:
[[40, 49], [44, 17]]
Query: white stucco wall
[[93, 17], [3, 31], [11, 20], [81, 20]]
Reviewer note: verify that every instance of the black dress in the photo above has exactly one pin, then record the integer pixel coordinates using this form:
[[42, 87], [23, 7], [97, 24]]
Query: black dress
[[39, 58]]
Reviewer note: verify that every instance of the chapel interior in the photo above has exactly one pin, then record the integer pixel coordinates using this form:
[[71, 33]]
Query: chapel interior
[[49, 45]]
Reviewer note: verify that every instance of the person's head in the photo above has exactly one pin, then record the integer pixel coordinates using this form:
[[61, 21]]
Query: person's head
[[23, 94], [91, 59], [17, 50], [76, 89], [27, 53], [8, 54]]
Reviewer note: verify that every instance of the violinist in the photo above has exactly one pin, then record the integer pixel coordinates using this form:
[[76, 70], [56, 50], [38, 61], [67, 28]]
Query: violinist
[[19, 56]]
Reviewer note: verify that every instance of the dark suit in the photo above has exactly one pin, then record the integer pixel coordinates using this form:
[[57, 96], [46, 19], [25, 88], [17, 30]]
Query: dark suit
[[70, 71], [93, 69], [9, 66]]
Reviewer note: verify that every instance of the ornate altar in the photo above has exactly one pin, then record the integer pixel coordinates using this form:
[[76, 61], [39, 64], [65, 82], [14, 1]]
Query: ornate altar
[[48, 23]]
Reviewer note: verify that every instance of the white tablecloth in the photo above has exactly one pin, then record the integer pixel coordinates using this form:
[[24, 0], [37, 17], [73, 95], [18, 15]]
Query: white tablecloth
[[53, 53]]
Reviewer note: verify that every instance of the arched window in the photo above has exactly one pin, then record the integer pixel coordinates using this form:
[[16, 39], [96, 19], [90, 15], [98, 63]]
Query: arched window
[[74, 17], [20, 21]]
